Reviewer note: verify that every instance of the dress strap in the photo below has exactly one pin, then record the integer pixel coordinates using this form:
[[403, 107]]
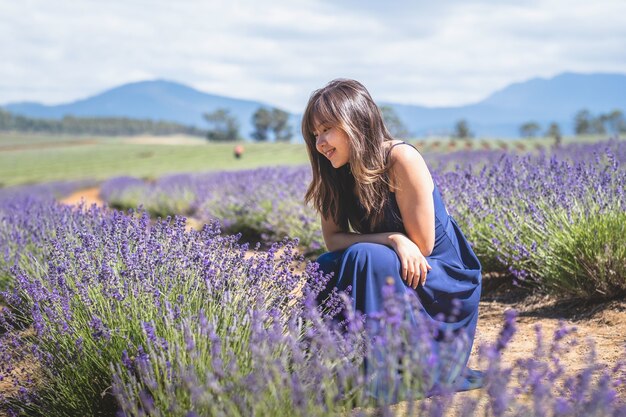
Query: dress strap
[[393, 146]]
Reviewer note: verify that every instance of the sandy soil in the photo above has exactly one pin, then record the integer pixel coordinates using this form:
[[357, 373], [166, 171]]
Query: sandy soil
[[89, 196], [602, 323]]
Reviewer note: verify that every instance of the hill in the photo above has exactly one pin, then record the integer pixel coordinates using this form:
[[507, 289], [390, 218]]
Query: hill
[[156, 100], [543, 100]]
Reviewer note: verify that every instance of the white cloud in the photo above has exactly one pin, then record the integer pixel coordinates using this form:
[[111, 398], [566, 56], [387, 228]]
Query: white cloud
[[435, 53]]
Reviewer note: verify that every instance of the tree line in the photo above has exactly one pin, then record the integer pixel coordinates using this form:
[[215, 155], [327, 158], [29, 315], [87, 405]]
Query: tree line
[[105, 126], [585, 123], [268, 123], [273, 124]]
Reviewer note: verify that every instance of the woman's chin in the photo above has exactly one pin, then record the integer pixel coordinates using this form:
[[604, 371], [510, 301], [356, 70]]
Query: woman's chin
[[338, 164]]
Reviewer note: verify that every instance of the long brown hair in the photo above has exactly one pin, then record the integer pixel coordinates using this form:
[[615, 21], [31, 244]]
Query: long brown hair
[[347, 105]]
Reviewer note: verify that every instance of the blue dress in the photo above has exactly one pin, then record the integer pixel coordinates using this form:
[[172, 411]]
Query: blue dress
[[456, 275]]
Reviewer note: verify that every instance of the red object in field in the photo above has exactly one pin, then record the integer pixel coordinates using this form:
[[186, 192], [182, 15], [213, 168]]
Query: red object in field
[[238, 151]]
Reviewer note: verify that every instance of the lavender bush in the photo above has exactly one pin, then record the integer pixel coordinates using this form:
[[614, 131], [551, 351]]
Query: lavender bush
[[23, 226], [530, 214], [264, 204], [167, 196], [146, 318], [108, 276], [535, 217]]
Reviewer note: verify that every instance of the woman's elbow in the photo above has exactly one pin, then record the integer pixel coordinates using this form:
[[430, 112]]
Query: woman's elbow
[[428, 248]]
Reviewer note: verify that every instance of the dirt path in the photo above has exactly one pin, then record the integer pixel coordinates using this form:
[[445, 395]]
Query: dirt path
[[604, 323], [89, 196]]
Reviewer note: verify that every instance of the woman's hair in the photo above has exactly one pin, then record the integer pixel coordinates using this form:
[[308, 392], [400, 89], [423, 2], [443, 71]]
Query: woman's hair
[[347, 105]]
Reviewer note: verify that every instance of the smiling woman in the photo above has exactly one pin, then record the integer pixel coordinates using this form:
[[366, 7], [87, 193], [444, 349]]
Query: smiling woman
[[385, 223]]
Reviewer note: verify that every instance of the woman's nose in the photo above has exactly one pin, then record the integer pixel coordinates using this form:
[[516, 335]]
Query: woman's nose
[[319, 142]]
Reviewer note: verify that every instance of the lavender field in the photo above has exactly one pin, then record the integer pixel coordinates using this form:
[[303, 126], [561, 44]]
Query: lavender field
[[133, 313]]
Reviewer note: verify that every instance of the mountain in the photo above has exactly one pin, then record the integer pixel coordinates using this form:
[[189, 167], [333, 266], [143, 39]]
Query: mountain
[[541, 100], [156, 100]]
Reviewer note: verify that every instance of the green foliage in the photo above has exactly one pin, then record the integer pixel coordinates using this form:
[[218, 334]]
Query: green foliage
[[462, 130], [274, 120], [616, 122], [554, 131], [529, 129], [589, 256], [223, 126], [394, 124], [280, 125], [113, 126], [581, 256], [157, 203], [585, 123], [262, 121]]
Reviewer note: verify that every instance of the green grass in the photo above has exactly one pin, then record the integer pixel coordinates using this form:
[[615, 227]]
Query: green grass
[[35, 158], [31, 158]]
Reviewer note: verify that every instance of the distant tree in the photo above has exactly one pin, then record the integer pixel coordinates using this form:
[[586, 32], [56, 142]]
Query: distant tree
[[462, 130], [395, 126], [598, 124], [583, 122], [223, 126], [262, 121], [275, 121], [616, 122], [529, 129], [554, 131], [280, 125], [106, 126]]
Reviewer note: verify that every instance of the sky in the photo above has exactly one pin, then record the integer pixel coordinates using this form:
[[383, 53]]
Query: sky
[[433, 53]]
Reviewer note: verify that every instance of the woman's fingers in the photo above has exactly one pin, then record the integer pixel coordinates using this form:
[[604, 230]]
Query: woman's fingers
[[424, 268], [405, 271], [414, 272], [414, 279]]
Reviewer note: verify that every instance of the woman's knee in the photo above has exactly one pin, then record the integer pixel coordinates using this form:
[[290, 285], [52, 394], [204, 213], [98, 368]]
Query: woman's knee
[[371, 252], [328, 261]]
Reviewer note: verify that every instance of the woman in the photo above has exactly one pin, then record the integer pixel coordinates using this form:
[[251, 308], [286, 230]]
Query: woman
[[383, 218]]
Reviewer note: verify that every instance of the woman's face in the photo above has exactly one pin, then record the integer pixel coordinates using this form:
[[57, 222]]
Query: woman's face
[[332, 143]]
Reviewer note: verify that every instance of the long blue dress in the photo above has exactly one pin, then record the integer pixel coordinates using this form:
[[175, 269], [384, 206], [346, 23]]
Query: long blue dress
[[456, 275]]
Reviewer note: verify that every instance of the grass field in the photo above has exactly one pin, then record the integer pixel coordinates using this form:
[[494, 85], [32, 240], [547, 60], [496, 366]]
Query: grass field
[[32, 159], [29, 158]]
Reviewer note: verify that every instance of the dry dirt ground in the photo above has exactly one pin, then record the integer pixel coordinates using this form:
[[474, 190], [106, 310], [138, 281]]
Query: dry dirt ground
[[604, 323]]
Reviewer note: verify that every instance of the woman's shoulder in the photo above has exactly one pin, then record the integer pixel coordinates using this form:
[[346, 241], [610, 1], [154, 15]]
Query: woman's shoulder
[[399, 151], [406, 165]]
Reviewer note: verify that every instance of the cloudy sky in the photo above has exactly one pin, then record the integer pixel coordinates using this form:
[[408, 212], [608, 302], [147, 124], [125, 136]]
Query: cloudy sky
[[420, 52]]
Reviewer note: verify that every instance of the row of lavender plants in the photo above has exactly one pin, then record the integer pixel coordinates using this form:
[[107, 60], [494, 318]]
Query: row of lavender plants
[[557, 222], [263, 204], [132, 317], [21, 199], [552, 220]]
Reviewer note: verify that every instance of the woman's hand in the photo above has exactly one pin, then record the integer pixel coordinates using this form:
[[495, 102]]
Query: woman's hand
[[414, 264]]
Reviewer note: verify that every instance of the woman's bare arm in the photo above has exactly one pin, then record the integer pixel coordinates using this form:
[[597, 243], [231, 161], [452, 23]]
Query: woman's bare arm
[[337, 239], [413, 186]]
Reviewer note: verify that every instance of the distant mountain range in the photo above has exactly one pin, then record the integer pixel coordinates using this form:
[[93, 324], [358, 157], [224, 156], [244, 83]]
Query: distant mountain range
[[499, 115]]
